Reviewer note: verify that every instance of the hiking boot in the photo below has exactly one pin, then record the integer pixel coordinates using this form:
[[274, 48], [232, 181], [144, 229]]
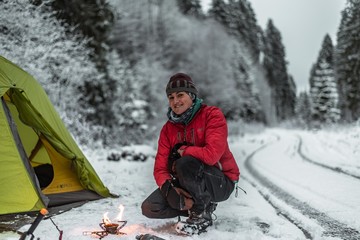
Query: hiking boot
[[200, 218], [197, 222], [211, 207], [204, 217]]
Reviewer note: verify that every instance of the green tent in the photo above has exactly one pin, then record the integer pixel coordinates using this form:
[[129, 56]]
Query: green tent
[[40, 163]]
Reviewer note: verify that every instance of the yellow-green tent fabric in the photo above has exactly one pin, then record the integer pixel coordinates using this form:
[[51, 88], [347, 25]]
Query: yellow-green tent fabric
[[33, 135]]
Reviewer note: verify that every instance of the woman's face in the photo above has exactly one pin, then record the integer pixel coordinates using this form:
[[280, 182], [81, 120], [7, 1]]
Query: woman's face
[[179, 102]]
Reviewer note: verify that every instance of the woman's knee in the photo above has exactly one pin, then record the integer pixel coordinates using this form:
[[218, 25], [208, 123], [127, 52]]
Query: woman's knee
[[187, 164], [146, 209]]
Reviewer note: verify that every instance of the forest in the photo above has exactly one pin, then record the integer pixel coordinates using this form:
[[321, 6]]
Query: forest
[[105, 64]]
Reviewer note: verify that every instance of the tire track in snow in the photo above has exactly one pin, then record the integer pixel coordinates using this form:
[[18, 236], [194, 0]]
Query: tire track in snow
[[335, 169], [332, 227], [277, 209]]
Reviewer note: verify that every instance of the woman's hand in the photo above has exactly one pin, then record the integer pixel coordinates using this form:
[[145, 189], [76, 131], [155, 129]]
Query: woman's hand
[[188, 201], [181, 150]]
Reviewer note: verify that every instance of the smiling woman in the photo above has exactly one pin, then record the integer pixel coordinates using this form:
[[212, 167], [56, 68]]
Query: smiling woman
[[194, 167], [181, 92], [179, 102]]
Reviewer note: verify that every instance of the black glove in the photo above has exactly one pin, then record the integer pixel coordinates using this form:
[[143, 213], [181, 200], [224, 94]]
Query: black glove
[[174, 155]]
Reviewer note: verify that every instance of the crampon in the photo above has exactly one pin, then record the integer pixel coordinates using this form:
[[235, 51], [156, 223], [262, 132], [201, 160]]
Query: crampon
[[189, 229]]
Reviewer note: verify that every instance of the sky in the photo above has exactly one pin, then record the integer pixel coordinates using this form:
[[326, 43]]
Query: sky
[[317, 199], [303, 25]]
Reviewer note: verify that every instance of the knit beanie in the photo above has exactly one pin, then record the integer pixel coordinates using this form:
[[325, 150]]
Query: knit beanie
[[180, 82]]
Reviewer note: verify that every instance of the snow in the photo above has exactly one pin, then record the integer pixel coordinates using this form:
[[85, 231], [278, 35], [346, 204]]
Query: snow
[[284, 189]]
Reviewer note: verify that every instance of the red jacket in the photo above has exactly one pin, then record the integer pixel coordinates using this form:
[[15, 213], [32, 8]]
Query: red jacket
[[207, 133]]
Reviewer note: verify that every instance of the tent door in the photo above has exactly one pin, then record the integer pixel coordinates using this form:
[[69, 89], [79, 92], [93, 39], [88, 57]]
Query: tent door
[[22, 152]]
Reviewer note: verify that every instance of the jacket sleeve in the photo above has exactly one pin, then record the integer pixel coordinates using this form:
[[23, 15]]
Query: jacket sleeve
[[216, 133], [161, 173]]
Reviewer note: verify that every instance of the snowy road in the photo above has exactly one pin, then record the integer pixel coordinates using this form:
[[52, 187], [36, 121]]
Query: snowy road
[[323, 200]]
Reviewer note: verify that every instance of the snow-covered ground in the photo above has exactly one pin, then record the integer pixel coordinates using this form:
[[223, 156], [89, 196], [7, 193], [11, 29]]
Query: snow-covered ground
[[299, 184]]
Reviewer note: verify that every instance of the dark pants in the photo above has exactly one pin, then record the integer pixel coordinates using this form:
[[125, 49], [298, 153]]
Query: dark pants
[[205, 184]]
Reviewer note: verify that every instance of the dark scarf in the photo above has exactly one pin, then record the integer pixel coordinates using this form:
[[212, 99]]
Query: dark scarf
[[186, 116]]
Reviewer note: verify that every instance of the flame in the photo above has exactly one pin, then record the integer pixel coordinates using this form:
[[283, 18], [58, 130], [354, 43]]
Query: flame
[[120, 215], [106, 219]]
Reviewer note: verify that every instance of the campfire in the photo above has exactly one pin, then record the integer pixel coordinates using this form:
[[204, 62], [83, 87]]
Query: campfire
[[108, 226]]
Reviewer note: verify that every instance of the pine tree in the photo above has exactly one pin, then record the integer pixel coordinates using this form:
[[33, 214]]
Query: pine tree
[[59, 61], [220, 11], [290, 96], [239, 19], [243, 22], [191, 8], [303, 108], [200, 48], [220, 65], [94, 20], [129, 107], [323, 87], [348, 61], [281, 84]]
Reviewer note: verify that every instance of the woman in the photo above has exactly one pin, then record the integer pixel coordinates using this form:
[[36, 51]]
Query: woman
[[194, 167]]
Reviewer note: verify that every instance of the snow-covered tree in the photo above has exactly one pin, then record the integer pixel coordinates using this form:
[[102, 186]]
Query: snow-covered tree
[[303, 108], [239, 20], [219, 11], [129, 106], [92, 18], [282, 85], [222, 76], [165, 41], [323, 86], [38, 43], [191, 8], [60, 60], [348, 61]]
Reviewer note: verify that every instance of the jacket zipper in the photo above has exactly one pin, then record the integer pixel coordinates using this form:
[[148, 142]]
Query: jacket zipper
[[184, 134]]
